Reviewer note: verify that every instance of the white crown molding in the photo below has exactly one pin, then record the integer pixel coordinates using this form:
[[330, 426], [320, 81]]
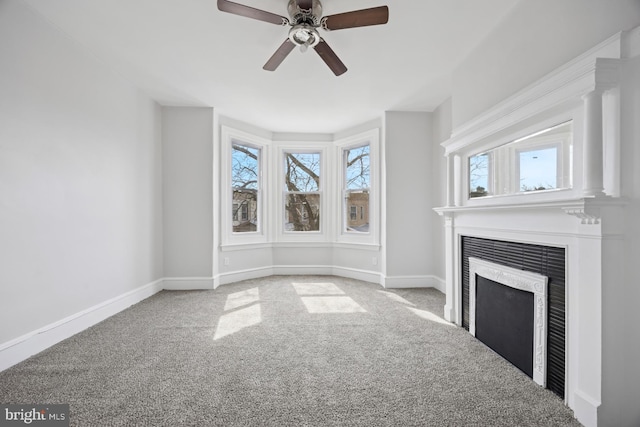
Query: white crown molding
[[594, 69]]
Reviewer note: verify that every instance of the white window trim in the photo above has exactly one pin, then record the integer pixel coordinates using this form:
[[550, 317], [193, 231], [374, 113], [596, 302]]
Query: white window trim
[[229, 136], [277, 166], [271, 205], [342, 235]]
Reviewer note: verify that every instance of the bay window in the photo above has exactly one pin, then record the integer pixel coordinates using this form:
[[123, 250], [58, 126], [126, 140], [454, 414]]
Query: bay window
[[298, 193]]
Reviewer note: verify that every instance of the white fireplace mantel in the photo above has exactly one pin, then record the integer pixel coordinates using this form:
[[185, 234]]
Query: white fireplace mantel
[[586, 219]]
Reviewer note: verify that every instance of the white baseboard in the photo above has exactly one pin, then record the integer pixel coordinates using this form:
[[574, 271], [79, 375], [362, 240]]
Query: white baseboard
[[301, 270], [364, 275], [187, 283], [240, 275], [400, 282], [585, 409], [293, 270], [21, 348]]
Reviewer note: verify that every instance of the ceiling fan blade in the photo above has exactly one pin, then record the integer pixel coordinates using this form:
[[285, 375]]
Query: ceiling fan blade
[[330, 58], [357, 18], [251, 12], [304, 4], [279, 56]]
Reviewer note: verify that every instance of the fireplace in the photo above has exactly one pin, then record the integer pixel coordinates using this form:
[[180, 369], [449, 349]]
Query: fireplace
[[532, 261], [578, 231], [507, 312]]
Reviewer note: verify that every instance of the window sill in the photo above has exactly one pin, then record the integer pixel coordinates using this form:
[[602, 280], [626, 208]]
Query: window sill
[[275, 245]]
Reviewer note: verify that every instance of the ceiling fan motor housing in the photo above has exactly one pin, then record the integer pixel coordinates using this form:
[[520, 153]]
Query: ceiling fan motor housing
[[310, 16]]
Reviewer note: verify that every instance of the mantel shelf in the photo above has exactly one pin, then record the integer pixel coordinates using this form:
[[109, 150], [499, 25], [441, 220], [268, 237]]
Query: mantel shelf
[[570, 206]]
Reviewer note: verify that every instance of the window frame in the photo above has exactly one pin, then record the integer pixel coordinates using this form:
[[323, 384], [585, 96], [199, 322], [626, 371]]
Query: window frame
[[318, 192], [372, 237], [283, 235], [229, 137]]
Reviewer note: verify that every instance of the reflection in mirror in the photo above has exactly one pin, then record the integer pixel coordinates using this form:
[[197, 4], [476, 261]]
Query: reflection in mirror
[[537, 162], [479, 172]]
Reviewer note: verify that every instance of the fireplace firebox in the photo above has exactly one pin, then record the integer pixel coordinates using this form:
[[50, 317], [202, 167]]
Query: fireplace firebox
[[545, 261]]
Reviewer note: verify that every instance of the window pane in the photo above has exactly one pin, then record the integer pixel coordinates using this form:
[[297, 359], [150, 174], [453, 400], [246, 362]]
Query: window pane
[[357, 169], [357, 204], [538, 169], [302, 172], [302, 212], [538, 161], [357, 182], [244, 179], [479, 175]]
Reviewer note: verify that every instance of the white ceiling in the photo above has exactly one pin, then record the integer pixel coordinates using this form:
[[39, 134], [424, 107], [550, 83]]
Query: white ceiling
[[186, 52]]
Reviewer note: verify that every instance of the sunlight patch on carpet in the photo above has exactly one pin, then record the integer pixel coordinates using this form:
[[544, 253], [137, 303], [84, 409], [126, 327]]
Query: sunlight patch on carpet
[[429, 316], [317, 289], [332, 305], [396, 298], [238, 320], [239, 299]]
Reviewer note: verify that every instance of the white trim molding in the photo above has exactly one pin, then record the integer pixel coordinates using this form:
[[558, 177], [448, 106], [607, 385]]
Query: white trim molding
[[422, 281], [21, 348], [187, 283], [524, 281]]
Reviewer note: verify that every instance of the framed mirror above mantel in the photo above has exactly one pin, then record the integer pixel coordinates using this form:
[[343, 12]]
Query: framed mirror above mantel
[[568, 122]]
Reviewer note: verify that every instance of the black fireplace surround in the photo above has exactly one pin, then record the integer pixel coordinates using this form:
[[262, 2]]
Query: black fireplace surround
[[545, 260]]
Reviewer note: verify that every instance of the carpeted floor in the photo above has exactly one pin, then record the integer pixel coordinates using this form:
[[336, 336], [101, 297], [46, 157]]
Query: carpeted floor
[[283, 351]]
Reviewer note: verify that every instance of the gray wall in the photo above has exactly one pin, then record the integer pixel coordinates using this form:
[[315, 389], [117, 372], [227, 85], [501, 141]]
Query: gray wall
[[533, 40], [80, 178], [187, 162], [441, 132], [620, 373], [408, 214]]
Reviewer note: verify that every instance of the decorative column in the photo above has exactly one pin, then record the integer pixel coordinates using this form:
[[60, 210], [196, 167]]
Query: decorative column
[[457, 183], [592, 165], [451, 179], [452, 312]]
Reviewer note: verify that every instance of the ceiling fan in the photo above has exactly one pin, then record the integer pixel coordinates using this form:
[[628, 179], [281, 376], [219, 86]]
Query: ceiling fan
[[305, 17]]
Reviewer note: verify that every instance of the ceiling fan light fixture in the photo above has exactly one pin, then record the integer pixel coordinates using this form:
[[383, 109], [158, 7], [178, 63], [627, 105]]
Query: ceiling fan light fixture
[[304, 35]]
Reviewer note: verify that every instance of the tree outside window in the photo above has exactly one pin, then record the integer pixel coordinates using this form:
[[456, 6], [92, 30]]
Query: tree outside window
[[357, 187], [302, 191], [245, 177], [479, 170]]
